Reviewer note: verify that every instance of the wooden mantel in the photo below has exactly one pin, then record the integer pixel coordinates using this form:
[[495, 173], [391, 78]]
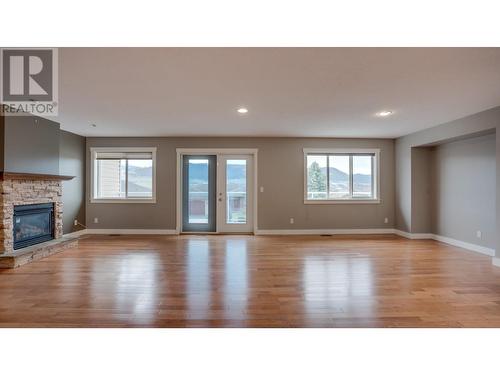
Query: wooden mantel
[[33, 176]]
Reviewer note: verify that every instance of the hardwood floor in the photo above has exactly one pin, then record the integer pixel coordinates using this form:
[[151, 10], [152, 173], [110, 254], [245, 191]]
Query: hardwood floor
[[247, 281]]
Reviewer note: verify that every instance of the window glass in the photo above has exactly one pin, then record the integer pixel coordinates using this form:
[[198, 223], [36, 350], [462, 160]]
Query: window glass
[[198, 191], [123, 175], [316, 177], [339, 176], [362, 176], [111, 178], [236, 192], [140, 178]]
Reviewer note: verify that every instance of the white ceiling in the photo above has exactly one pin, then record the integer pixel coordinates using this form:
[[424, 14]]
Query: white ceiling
[[312, 92]]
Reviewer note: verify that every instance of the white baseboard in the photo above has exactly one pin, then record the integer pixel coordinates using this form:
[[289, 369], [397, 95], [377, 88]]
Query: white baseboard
[[466, 245], [75, 234], [450, 241], [131, 231], [414, 236], [293, 232], [288, 232]]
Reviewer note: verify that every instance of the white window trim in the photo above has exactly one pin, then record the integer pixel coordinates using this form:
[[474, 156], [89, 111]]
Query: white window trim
[[95, 150], [376, 186]]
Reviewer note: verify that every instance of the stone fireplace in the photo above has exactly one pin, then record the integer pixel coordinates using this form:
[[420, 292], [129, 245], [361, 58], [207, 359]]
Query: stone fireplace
[[18, 193]]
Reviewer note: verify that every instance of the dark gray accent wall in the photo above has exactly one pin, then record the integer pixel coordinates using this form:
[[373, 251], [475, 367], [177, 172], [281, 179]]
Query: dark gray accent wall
[[280, 172], [31, 145], [463, 189], [72, 163], [2, 146]]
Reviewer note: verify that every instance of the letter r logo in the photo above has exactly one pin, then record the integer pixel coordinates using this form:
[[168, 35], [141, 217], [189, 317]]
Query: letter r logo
[[27, 75]]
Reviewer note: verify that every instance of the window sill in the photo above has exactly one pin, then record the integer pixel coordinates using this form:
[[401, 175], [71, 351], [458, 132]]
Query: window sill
[[342, 201], [130, 200]]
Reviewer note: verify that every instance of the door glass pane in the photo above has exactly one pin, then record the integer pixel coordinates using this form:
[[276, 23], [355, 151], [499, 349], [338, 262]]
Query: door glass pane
[[316, 177], [198, 191], [339, 176], [362, 175], [140, 178], [236, 191]]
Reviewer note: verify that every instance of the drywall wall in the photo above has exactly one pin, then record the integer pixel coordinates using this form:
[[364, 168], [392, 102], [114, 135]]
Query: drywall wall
[[280, 172], [31, 145], [2, 146], [476, 124], [463, 190], [72, 163], [498, 193], [421, 214]]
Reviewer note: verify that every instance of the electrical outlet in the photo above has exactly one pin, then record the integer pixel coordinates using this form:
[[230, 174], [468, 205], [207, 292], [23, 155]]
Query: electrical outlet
[[96, 220], [262, 189], [386, 220], [291, 220], [75, 223], [479, 234]]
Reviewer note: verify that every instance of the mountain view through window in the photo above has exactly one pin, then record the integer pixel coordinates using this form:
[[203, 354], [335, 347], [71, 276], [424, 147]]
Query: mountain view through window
[[339, 176]]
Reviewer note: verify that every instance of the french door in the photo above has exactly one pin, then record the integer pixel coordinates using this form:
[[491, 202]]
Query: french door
[[235, 193], [217, 193]]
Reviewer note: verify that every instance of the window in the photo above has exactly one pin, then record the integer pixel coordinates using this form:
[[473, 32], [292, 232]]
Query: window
[[123, 174], [340, 176]]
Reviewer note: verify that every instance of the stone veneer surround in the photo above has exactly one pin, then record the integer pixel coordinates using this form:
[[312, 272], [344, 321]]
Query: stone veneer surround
[[27, 191]]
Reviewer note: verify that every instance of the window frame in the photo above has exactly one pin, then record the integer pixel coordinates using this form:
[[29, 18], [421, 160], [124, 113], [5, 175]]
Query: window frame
[[93, 180], [346, 151]]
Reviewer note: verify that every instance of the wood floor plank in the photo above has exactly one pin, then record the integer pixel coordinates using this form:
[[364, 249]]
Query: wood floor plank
[[253, 281]]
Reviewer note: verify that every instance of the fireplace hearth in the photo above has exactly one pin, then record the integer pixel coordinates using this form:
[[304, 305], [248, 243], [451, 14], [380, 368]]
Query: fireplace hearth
[[33, 223]]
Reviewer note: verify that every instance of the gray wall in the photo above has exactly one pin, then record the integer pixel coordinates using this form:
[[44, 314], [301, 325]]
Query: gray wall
[[421, 213], [31, 145], [464, 190], [2, 146], [72, 163], [498, 190], [280, 172], [476, 124]]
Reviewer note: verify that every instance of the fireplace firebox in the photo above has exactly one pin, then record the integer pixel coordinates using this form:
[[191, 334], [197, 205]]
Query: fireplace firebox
[[33, 223]]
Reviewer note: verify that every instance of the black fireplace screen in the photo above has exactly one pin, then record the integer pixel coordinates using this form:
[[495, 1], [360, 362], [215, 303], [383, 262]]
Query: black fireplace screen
[[33, 223]]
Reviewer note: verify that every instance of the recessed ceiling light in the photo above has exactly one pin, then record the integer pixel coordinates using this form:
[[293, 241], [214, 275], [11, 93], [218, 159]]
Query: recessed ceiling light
[[242, 110], [384, 113]]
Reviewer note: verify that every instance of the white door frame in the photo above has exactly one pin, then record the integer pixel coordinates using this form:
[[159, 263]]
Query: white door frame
[[213, 151]]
